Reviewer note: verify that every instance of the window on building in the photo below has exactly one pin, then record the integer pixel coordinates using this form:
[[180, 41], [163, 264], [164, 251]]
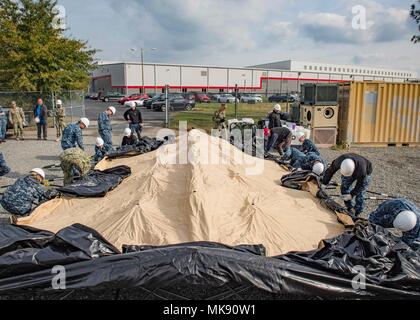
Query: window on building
[[204, 73], [330, 69], [339, 69], [320, 68], [315, 68], [163, 90], [305, 67], [335, 69], [221, 90], [325, 69], [204, 90], [310, 67], [184, 90]]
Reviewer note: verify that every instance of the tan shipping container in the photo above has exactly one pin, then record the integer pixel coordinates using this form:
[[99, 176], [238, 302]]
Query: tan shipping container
[[379, 113]]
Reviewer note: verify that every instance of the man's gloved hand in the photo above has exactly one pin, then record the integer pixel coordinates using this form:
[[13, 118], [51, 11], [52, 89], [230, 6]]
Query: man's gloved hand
[[347, 197]]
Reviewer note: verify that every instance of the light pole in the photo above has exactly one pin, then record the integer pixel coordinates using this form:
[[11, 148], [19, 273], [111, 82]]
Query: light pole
[[142, 50]]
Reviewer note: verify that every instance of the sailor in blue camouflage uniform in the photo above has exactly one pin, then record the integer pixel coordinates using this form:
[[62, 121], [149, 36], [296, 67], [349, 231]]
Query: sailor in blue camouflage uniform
[[72, 135], [3, 124], [26, 193], [4, 169], [105, 127], [101, 151], [307, 145], [400, 214], [309, 162]]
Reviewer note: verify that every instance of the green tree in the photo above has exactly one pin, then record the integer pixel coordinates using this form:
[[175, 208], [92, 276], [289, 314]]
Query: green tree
[[415, 14], [35, 54]]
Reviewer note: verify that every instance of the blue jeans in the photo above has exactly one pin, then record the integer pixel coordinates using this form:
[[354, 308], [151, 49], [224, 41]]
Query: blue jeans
[[271, 142], [346, 184], [135, 128], [3, 128], [106, 135]]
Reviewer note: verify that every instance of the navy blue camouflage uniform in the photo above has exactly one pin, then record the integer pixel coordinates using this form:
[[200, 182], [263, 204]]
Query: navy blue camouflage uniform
[[101, 153], [23, 195], [72, 137], [105, 129], [309, 147], [362, 176], [386, 213], [308, 161], [4, 169], [3, 124]]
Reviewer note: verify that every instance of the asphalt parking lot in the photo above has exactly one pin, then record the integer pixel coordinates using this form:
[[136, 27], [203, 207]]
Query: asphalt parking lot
[[93, 108]]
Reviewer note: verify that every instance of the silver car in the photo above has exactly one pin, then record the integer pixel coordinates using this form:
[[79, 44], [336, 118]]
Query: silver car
[[251, 98], [227, 98]]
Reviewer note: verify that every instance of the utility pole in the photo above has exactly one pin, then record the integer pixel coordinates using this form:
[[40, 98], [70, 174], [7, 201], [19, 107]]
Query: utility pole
[[142, 69], [167, 120], [236, 101]]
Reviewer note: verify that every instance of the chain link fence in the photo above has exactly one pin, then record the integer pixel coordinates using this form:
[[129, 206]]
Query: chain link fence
[[73, 102]]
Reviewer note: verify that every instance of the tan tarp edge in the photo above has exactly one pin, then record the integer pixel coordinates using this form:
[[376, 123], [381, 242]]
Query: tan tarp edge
[[237, 200]]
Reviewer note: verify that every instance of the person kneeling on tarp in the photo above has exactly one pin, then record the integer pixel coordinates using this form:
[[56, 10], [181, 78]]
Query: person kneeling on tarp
[[402, 215], [75, 163], [4, 169], [311, 162], [101, 151], [353, 168], [129, 139], [27, 193], [307, 145], [280, 139]]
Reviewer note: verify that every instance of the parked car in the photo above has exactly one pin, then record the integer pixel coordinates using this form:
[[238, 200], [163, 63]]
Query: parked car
[[177, 102], [139, 102], [112, 96], [189, 96], [201, 98], [134, 97], [214, 97], [227, 98], [148, 103], [250, 98], [281, 98], [94, 96]]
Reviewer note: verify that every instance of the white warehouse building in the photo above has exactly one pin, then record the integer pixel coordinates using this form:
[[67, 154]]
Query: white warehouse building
[[277, 77]]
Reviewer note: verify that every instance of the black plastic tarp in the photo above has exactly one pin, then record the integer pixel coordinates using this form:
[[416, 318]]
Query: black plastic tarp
[[96, 183], [392, 269], [144, 145]]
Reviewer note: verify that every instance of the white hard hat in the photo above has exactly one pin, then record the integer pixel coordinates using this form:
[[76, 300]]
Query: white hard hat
[[318, 168], [405, 221], [113, 110], [59, 103], [277, 107], [99, 142], [347, 167], [127, 132], [299, 135], [85, 121], [131, 104], [39, 172]]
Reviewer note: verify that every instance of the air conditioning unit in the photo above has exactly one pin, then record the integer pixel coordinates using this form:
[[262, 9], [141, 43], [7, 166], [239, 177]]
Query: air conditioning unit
[[324, 137], [319, 116], [320, 94]]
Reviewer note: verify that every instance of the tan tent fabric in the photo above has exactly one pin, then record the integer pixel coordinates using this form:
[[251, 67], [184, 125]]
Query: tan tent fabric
[[169, 203]]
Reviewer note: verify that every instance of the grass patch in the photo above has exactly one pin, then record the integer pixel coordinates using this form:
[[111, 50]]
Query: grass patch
[[201, 116]]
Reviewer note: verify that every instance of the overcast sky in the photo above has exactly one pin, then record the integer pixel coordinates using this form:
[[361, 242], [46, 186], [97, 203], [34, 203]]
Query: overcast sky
[[247, 32]]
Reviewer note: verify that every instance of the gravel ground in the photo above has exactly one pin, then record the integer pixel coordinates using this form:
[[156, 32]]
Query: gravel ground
[[396, 171]]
